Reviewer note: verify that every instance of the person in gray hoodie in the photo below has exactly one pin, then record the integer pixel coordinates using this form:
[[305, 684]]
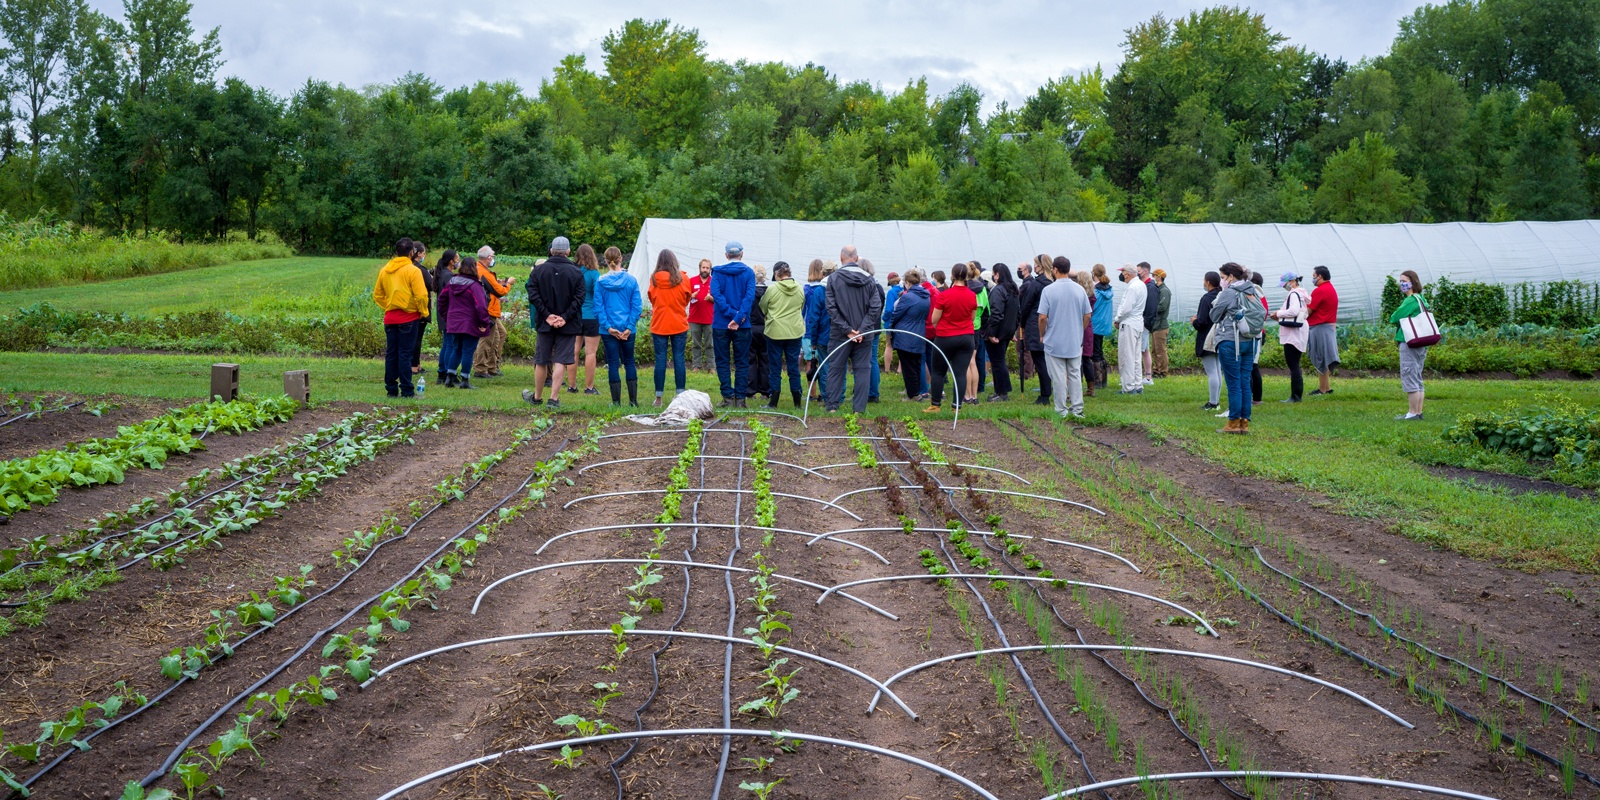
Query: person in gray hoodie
[[854, 304], [1239, 317]]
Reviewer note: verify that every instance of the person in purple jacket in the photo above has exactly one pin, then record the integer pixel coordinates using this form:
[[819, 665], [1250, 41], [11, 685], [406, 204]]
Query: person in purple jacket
[[465, 310]]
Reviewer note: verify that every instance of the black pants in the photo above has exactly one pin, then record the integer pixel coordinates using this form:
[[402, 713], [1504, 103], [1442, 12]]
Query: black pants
[[911, 371], [1042, 369], [958, 349], [980, 353], [1297, 380], [1255, 382], [1099, 358], [416, 349], [997, 365], [399, 348], [758, 360]]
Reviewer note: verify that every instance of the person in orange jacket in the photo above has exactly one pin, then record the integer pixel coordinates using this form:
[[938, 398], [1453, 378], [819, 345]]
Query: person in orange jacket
[[493, 344], [403, 296]]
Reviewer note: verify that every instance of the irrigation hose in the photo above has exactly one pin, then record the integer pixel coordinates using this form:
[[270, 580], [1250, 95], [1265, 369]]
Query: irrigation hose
[[1426, 693], [260, 630], [20, 417], [183, 746], [727, 653], [1016, 661], [1055, 611]]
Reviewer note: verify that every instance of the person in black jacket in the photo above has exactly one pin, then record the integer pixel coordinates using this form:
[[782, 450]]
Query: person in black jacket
[[1152, 311], [1028, 309], [1001, 325], [854, 302], [419, 251], [1202, 327], [758, 337], [436, 278], [555, 307]]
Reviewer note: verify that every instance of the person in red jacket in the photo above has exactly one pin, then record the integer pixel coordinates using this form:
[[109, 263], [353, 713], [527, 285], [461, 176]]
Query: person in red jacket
[[701, 310], [1322, 340]]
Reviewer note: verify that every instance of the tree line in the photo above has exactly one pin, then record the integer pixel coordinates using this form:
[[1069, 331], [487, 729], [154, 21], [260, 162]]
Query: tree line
[[1481, 110]]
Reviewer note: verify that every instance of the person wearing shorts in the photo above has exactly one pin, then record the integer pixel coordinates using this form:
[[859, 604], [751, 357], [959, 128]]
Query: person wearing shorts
[[1411, 358], [555, 303]]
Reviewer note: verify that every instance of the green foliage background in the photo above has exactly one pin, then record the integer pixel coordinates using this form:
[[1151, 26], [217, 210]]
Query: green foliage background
[[1480, 110]]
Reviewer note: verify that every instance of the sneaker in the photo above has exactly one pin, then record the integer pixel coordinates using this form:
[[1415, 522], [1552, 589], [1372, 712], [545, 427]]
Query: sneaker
[[1290, 400], [591, 390], [727, 402], [872, 399], [1131, 391], [931, 410], [1409, 417], [1222, 414], [527, 397], [1149, 382], [998, 398], [1210, 407], [1042, 401], [658, 401], [739, 403], [1074, 415], [553, 404], [494, 373], [832, 409]]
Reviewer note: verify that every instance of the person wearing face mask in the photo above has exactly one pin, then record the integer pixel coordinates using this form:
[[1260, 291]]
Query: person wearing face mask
[[1129, 319], [1322, 340], [1411, 358], [1292, 331]]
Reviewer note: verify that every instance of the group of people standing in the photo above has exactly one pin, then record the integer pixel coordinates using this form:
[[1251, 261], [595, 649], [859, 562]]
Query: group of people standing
[[463, 292], [938, 332]]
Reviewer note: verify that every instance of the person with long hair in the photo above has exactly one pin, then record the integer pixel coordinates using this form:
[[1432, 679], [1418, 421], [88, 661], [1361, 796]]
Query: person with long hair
[[419, 253], [589, 340], [1212, 283], [1086, 363], [814, 346], [953, 311], [1101, 322], [464, 320], [1031, 350], [669, 320], [1000, 327], [617, 308], [1411, 358], [1234, 312], [442, 272], [909, 319]]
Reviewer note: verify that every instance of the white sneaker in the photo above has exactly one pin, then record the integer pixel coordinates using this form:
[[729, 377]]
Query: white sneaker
[[1149, 382], [1223, 414]]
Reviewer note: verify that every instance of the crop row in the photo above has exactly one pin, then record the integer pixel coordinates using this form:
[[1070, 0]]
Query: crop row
[[38, 480], [351, 653]]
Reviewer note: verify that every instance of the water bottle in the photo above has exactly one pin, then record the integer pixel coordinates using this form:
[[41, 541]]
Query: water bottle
[[422, 385]]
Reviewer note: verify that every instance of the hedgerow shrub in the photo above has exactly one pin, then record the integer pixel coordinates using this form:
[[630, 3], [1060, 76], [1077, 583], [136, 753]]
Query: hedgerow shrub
[[35, 253]]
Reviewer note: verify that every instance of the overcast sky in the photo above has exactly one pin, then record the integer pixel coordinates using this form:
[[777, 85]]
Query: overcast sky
[[1004, 47]]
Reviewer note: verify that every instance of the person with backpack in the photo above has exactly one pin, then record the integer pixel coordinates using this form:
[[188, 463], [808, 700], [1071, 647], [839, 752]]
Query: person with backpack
[[1239, 316], [1411, 358], [617, 309], [464, 311]]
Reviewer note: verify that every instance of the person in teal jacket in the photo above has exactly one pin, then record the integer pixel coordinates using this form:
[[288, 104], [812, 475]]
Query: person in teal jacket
[[617, 308], [1411, 358], [589, 335]]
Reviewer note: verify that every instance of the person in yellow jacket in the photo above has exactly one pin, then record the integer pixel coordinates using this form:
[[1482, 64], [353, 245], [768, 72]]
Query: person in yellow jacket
[[403, 296]]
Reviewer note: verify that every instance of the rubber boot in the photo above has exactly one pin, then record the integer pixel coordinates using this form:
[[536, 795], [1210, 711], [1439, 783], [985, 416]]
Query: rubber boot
[[772, 400], [633, 393], [795, 393], [616, 393]]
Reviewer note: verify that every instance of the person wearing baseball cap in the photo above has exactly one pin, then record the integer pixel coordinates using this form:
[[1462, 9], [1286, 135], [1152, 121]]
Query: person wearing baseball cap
[[1292, 332], [733, 292], [555, 309]]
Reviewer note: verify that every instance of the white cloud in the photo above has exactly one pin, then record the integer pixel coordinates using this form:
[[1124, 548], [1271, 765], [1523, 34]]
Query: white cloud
[[1004, 47]]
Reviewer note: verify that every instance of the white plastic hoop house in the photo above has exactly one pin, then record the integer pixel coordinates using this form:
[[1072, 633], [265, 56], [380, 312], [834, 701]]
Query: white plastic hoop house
[[1359, 256]]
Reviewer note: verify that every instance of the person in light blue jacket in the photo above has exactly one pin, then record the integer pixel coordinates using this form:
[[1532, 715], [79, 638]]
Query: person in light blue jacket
[[617, 308], [1100, 320]]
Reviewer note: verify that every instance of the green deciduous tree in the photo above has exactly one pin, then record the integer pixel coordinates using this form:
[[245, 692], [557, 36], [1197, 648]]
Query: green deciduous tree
[[1361, 185]]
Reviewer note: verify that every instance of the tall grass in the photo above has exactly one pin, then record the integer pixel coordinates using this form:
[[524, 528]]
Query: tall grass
[[37, 253]]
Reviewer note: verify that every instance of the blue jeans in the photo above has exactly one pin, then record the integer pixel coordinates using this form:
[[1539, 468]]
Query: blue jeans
[[399, 342], [457, 350], [619, 350], [1236, 366], [783, 354], [875, 365], [674, 343], [732, 349]]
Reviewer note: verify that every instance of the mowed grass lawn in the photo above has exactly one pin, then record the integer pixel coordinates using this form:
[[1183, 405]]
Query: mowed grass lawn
[[1348, 445], [279, 285]]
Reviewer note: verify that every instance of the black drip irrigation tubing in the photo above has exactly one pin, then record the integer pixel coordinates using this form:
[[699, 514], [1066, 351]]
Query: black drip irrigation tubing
[[177, 542], [260, 630], [1424, 692], [655, 672], [1027, 679], [21, 417], [1054, 610], [282, 458], [733, 612], [183, 746]]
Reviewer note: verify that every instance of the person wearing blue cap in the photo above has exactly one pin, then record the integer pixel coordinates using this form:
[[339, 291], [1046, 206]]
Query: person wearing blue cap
[[733, 291], [1292, 333]]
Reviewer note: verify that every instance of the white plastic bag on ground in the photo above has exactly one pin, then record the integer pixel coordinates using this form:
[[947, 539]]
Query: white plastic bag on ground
[[688, 405]]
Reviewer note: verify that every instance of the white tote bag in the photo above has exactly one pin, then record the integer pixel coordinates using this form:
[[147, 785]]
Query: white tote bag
[[1422, 329]]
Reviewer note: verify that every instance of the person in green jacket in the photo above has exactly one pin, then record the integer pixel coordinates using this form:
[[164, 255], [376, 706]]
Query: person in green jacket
[[783, 304], [1411, 358], [1158, 333]]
